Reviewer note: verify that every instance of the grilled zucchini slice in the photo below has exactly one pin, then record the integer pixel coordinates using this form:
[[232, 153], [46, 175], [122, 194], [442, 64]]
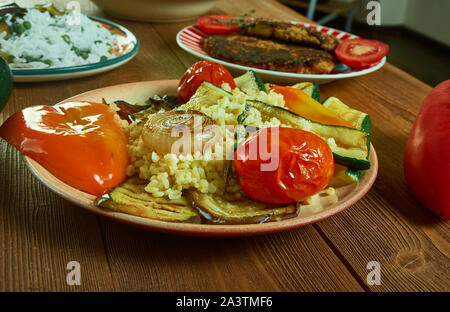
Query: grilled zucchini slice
[[250, 83], [358, 119], [349, 146], [216, 209], [207, 94], [130, 197], [344, 176]]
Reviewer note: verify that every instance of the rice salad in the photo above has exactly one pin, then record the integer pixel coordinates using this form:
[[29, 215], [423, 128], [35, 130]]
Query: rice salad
[[40, 40]]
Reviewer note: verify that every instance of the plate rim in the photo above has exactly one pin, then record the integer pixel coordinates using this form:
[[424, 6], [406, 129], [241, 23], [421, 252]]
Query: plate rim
[[27, 72], [286, 74], [190, 229]]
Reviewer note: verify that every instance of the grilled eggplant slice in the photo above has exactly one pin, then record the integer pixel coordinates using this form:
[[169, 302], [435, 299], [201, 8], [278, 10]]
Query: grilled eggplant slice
[[131, 198], [216, 209]]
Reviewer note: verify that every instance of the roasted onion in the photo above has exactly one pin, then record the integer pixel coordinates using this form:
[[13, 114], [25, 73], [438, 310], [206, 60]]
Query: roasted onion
[[179, 132]]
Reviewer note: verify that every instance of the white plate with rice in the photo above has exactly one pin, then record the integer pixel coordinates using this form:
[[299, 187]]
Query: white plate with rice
[[46, 47]]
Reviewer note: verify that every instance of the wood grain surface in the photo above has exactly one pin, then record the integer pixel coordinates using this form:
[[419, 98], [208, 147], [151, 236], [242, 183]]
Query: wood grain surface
[[40, 233]]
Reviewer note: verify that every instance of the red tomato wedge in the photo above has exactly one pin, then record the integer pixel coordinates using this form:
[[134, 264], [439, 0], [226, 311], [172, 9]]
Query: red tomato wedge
[[80, 143], [427, 153], [361, 53], [217, 24], [304, 105], [199, 72], [295, 165]]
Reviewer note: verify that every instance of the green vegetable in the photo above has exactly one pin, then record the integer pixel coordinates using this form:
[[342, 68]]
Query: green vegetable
[[27, 24], [358, 119], [84, 54], [66, 38], [244, 114], [103, 58], [18, 28], [344, 176], [207, 94], [250, 83]]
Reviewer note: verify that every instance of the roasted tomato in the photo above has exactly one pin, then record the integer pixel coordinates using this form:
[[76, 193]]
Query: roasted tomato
[[80, 143], [427, 153], [283, 165], [361, 53], [217, 24], [199, 72]]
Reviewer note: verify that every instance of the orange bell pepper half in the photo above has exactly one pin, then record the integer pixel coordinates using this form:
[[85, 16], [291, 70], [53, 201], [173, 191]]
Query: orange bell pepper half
[[300, 103], [80, 143]]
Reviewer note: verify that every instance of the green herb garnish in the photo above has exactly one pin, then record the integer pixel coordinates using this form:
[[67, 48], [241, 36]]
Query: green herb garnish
[[66, 38]]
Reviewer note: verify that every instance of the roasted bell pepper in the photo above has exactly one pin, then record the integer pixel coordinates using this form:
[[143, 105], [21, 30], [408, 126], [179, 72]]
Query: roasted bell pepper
[[304, 105], [80, 143]]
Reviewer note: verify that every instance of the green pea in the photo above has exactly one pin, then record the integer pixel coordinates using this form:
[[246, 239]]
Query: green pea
[[18, 28], [27, 25], [103, 58]]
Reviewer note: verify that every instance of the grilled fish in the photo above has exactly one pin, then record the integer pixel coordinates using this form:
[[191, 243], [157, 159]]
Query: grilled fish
[[289, 33], [267, 54]]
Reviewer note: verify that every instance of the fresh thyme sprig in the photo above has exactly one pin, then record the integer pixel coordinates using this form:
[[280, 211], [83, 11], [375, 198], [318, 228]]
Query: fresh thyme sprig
[[241, 20]]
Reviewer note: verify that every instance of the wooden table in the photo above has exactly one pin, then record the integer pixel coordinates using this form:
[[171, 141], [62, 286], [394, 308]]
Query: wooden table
[[40, 232]]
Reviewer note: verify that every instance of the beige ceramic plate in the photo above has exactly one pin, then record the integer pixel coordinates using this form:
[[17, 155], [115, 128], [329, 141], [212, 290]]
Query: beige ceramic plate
[[140, 91]]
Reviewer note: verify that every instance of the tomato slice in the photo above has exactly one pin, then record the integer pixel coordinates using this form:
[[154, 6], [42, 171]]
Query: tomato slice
[[217, 24], [295, 165], [361, 53], [199, 72]]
